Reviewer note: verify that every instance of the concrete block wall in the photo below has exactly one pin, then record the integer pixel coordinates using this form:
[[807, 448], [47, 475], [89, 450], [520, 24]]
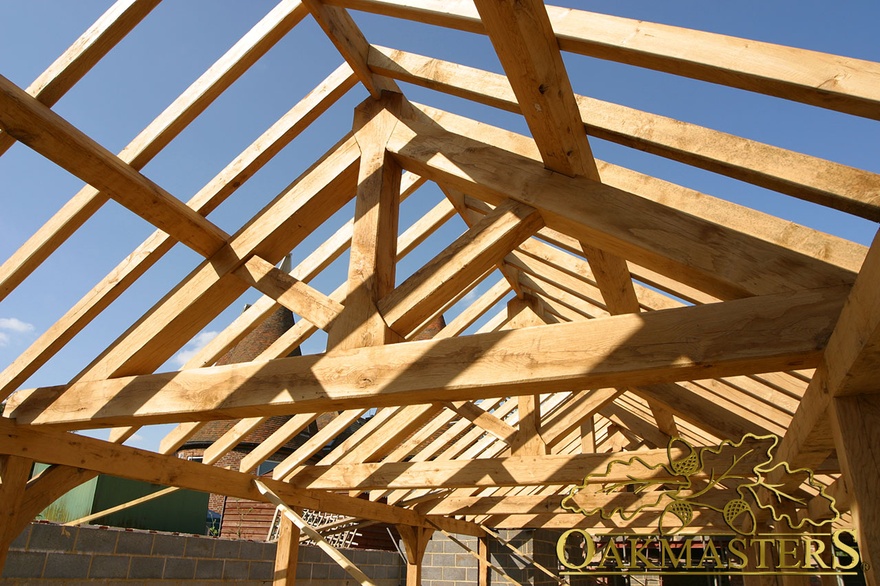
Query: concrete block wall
[[538, 544], [50, 554], [447, 564]]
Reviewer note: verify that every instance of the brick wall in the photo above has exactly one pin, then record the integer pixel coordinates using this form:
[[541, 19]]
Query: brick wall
[[50, 554]]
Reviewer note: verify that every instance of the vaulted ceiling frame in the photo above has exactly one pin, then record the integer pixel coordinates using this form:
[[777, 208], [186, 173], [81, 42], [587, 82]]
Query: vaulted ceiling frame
[[649, 395], [627, 300], [665, 48]]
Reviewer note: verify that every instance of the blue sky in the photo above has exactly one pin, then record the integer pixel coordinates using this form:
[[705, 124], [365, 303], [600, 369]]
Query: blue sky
[[180, 39]]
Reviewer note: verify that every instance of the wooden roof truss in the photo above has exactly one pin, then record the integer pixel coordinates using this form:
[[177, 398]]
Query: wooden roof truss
[[625, 309]]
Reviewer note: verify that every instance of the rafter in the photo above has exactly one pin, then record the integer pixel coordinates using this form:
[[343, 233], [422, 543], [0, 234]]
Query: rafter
[[799, 175], [173, 120], [350, 42], [603, 215], [84, 53], [33, 124], [211, 287], [820, 79], [525, 44]]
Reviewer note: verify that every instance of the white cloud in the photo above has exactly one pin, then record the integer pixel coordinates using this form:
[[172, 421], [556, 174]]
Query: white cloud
[[14, 325], [193, 347]]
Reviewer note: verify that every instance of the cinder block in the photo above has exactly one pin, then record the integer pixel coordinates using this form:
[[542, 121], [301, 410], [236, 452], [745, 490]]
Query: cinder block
[[261, 570], [319, 571], [304, 570], [52, 538], [472, 574], [454, 574], [269, 550], [443, 560], [227, 549], [24, 564], [67, 565], [20, 542], [235, 570], [391, 571], [146, 568], [209, 569], [465, 560], [110, 566], [468, 540], [432, 573], [170, 545], [336, 572], [134, 542], [199, 547], [95, 540], [179, 569], [311, 554], [251, 550]]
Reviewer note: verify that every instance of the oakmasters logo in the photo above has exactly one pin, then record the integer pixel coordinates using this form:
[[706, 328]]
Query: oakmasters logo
[[731, 487]]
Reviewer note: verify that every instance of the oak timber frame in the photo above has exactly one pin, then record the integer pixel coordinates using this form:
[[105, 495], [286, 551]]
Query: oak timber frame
[[706, 325]]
